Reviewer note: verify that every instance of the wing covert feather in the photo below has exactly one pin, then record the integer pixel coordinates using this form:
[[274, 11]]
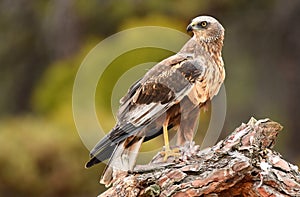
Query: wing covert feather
[[150, 97]]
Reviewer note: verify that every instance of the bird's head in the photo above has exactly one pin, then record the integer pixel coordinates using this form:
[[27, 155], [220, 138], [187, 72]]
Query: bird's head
[[206, 29]]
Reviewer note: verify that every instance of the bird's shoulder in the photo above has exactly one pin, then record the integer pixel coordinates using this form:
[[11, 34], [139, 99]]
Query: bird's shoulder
[[165, 83], [171, 74], [153, 76]]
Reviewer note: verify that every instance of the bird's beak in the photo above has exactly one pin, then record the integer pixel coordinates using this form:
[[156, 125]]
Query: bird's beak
[[189, 28]]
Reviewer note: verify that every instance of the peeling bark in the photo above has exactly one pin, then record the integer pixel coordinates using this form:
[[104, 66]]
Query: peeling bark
[[243, 164]]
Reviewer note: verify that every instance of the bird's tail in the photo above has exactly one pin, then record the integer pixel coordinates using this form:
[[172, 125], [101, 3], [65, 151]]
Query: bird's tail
[[101, 156], [122, 159]]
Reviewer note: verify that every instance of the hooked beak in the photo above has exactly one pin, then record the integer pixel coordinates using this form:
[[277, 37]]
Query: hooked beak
[[189, 28]]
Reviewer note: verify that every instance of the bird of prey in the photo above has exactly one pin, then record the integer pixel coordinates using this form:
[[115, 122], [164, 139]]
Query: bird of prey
[[169, 95]]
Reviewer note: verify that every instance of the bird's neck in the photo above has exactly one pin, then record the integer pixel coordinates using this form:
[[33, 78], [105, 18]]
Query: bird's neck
[[214, 48]]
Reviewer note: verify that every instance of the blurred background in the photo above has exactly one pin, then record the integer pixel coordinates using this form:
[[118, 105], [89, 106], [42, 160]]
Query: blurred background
[[42, 44]]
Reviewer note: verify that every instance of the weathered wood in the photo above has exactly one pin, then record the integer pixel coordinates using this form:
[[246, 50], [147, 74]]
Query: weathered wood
[[243, 164]]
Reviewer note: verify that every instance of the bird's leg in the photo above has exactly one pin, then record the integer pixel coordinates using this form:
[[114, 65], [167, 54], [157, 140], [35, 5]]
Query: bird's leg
[[168, 152]]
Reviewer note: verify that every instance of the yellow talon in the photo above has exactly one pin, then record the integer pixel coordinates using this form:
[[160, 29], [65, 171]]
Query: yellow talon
[[168, 152]]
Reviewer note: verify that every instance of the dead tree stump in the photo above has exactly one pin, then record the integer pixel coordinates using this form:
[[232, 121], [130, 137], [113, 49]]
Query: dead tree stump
[[243, 164]]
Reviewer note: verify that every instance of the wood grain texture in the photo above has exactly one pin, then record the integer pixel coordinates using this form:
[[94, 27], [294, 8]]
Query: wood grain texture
[[243, 164]]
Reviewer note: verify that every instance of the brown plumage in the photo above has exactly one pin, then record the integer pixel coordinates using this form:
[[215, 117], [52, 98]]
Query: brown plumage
[[170, 95]]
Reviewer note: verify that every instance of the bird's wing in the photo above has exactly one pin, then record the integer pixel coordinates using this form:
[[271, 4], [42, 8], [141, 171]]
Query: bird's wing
[[148, 99], [162, 86]]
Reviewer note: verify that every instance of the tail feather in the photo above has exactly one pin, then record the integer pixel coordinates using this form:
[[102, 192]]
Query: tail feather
[[101, 156], [122, 160], [115, 136]]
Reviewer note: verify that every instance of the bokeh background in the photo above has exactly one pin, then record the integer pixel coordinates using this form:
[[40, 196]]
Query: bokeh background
[[42, 44]]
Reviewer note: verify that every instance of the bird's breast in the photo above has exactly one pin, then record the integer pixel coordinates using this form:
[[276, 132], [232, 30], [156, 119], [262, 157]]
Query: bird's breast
[[208, 85]]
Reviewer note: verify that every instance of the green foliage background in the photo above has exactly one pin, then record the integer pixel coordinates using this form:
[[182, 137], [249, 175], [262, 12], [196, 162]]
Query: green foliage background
[[42, 44]]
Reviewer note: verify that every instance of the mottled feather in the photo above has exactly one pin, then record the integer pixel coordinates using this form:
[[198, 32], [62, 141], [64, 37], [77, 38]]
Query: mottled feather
[[174, 90]]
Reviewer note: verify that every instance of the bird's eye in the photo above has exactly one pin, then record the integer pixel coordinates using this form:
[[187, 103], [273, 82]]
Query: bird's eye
[[203, 24]]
